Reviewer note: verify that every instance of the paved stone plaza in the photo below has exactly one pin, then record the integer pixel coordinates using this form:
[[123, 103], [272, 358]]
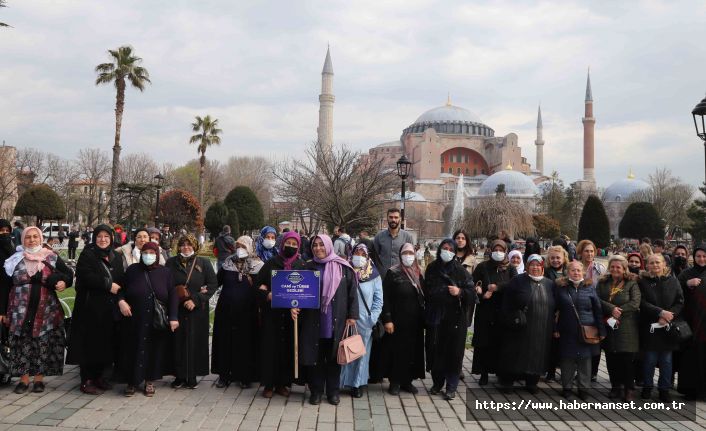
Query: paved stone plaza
[[64, 407]]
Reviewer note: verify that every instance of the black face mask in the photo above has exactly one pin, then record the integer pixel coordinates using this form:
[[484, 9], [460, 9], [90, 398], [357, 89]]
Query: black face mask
[[289, 251], [6, 243], [679, 260], [635, 270]]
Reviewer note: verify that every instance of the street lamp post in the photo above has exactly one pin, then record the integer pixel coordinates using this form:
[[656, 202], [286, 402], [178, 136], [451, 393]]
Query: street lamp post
[[159, 182], [403, 165], [698, 113]]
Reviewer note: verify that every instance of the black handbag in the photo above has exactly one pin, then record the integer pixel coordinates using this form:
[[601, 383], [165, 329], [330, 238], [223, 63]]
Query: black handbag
[[4, 353], [160, 320], [679, 331], [379, 327]]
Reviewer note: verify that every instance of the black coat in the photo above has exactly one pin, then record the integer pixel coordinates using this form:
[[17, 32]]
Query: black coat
[[277, 347], [526, 350], [147, 354], [7, 249], [191, 339], [344, 305], [487, 329], [657, 294], [590, 312], [403, 305], [692, 365], [447, 315], [236, 333], [95, 314]]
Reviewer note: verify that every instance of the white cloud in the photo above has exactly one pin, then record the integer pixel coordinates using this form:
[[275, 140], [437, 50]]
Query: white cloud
[[256, 66]]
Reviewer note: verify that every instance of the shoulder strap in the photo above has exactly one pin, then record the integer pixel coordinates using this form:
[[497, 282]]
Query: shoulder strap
[[578, 319], [149, 283], [363, 299], [188, 277]]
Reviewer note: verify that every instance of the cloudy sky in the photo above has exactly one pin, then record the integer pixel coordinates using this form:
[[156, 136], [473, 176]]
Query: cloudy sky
[[256, 67]]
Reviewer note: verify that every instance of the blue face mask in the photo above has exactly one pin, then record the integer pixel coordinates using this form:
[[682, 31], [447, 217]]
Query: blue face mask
[[149, 259]]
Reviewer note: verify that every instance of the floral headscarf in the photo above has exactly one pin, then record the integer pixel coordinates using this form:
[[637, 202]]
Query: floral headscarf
[[369, 271], [262, 252]]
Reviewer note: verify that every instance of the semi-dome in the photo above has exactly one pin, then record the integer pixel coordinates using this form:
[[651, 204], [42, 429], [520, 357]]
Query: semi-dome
[[621, 190], [450, 119], [516, 183]]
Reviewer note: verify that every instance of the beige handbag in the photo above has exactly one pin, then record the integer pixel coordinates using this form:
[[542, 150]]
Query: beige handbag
[[351, 346]]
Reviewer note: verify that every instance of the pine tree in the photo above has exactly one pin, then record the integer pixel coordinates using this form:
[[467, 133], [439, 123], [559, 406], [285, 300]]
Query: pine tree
[[697, 217], [641, 220], [594, 223]]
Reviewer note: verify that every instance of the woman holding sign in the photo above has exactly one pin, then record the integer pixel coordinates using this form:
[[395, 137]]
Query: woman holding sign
[[355, 375], [321, 330], [277, 372]]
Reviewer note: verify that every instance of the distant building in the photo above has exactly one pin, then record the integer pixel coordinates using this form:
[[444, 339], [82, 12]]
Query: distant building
[[618, 197]]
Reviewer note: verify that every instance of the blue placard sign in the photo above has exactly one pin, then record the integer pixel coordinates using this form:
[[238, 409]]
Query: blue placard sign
[[295, 289]]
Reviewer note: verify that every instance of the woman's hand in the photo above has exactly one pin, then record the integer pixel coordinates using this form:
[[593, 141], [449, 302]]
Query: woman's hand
[[2, 319], [479, 290], [189, 304], [114, 288], [666, 315], [454, 291], [492, 287], [390, 328], [173, 325], [487, 295], [662, 321], [617, 311], [60, 286], [295, 313], [556, 334], [350, 322], [269, 297], [693, 282], [125, 309]]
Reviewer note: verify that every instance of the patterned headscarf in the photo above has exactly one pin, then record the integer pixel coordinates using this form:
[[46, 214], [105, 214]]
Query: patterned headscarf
[[191, 239], [34, 262], [333, 271], [521, 267], [413, 272], [263, 253], [249, 265], [369, 271]]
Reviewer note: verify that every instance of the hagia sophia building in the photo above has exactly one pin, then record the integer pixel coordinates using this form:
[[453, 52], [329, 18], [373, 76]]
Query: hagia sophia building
[[449, 142]]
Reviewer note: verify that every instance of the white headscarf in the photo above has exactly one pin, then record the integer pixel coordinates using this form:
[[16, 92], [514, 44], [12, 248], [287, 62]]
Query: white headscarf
[[521, 267]]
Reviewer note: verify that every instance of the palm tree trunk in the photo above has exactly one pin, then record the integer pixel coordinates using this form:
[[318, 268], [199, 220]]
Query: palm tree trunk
[[119, 106], [202, 168]]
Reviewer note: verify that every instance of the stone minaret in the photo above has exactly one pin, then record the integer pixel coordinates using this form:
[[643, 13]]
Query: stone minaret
[[589, 124], [539, 142], [326, 99]]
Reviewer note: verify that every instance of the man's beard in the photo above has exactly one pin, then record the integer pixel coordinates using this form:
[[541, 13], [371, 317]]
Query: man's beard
[[393, 224]]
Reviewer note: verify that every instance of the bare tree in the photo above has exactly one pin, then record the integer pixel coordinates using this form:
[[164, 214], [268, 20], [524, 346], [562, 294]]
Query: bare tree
[[253, 172], [336, 186], [94, 168], [8, 181], [138, 170], [669, 195], [496, 213]]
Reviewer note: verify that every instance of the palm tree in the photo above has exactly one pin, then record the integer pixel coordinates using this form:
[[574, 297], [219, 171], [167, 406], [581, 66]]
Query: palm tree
[[124, 67], [2, 4], [208, 136]]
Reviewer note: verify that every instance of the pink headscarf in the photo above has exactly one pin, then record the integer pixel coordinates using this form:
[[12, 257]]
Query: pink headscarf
[[288, 261], [333, 271], [34, 262]]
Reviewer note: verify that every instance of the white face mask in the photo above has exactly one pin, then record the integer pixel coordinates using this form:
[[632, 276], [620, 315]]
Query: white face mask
[[33, 250], [498, 256], [241, 253], [268, 243], [537, 278], [149, 259], [407, 260], [576, 282], [186, 255], [447, 255], [359, 261], [154, 241]]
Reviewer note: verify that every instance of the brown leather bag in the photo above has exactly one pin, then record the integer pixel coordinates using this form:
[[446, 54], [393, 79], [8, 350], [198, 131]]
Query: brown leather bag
[[589, 333], [182, 290]]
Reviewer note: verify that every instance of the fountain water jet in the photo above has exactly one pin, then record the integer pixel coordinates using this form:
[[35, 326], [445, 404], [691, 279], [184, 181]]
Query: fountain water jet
[[459, 206]]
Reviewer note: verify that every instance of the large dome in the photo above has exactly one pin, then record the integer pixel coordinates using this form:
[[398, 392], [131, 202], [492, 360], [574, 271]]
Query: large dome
[[450, 119], [516, 183], [447, 113], [621, 190]]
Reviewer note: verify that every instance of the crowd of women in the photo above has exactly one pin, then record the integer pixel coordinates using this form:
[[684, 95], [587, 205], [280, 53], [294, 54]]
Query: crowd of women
[[141, 314]]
